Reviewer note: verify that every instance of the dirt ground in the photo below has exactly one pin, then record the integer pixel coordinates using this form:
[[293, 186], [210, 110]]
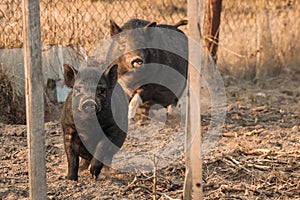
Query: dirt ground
[[256, 157]]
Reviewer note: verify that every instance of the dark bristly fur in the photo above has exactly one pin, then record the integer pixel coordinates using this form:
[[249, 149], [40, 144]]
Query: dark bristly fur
[[150, 93], [85, 139]]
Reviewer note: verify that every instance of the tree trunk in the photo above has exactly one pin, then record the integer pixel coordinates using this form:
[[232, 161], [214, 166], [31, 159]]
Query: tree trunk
[[212, 26]]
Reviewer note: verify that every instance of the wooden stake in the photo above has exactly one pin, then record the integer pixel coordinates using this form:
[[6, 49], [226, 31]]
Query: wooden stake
[[34, 99], [193, 179]]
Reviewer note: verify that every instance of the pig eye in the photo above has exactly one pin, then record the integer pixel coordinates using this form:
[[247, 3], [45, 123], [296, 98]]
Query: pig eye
[[136, 63]]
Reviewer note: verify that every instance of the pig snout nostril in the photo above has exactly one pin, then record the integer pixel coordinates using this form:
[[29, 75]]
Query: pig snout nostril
[[89, 105]]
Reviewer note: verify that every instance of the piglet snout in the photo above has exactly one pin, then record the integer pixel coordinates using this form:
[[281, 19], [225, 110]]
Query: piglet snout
[[89, 105]]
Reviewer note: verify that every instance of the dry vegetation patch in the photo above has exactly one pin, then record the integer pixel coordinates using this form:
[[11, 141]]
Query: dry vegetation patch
[[10, 103], [257, 156]]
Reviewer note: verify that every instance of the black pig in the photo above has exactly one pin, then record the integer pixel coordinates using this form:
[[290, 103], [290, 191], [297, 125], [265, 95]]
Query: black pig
[[90, 130], [133, 58]]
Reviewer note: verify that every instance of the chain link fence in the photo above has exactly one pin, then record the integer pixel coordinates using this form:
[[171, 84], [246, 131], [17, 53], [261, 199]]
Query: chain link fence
[[252, 34], [69, 31], [254, 30], [83, 22], [244, 40]]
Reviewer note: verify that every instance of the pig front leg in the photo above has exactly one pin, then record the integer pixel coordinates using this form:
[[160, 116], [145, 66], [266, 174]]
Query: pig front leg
[[105, 151], [72, 156], [135, 102], [96, 164], [95, 168]]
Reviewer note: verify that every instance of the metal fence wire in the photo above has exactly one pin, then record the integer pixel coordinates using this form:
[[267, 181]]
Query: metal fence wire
[[251, 29], [83, 22], [252, 33]]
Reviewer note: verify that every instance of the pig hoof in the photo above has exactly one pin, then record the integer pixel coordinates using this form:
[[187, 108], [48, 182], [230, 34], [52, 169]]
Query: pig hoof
[[95, 177], [95, 172], [72, 178]]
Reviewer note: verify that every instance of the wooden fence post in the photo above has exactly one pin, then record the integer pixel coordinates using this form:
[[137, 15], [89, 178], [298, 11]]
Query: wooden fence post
[[267, 62], [34, 99], [193, 180]]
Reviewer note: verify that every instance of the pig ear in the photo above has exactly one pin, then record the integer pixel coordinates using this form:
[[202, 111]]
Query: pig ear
[[182, 22], [150, 24], [114, 28], [112, 74], [148, 30], [69, 75]]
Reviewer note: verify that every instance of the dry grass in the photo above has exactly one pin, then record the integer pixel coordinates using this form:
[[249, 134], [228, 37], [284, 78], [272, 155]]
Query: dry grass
[[11, 105], [256, 157], [239, 35]]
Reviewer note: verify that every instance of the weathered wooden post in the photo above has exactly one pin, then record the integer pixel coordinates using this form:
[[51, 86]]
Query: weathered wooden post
[[193, 180], [34, 99], [267, 63]]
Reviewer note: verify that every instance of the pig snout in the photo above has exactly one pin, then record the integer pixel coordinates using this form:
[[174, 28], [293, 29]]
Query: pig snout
[[89, 106]]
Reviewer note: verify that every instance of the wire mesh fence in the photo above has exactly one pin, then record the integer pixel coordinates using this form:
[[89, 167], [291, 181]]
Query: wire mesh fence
[[266, 28], [83, 22], [246, 30]]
